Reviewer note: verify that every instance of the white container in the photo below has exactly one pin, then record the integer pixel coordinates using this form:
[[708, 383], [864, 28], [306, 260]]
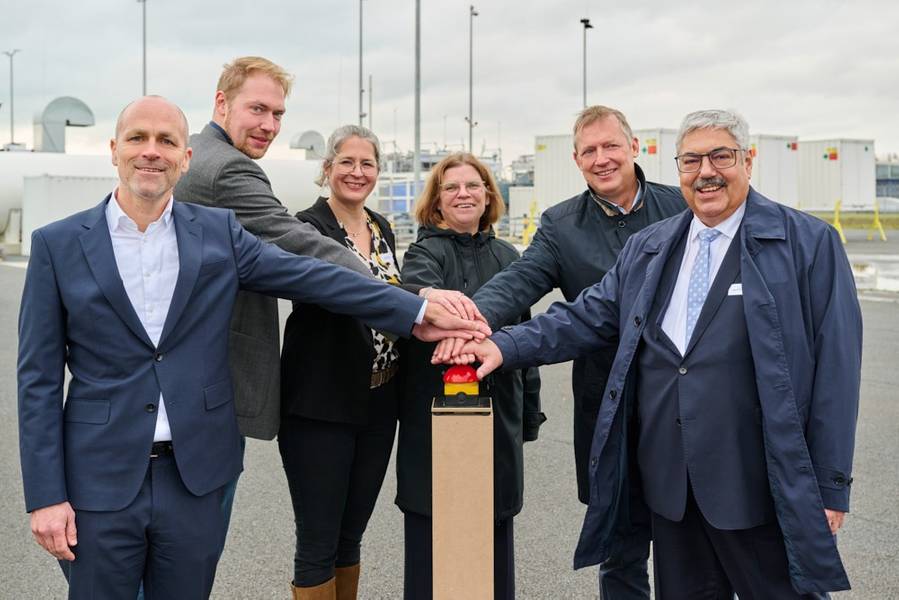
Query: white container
[[775, 167], [520, 199], [837, 169], [656, 155], [556, 176]]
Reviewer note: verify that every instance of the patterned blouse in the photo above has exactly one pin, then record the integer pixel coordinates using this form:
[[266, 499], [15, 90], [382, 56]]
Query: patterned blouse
[[383, 266]]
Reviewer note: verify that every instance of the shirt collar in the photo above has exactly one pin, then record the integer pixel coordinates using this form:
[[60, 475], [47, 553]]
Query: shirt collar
[[117, 220], [728, 227], [613, 210], [221, 130]]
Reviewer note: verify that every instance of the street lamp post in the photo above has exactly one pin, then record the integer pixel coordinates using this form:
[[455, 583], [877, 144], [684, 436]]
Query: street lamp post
[[143, 4], [587, 25], [472, 13], [361, 89], [12, 127], [416, 166]]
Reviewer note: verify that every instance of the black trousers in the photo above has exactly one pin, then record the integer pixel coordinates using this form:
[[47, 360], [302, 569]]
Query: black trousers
[[334, 472], [694, 561], [418, 578]]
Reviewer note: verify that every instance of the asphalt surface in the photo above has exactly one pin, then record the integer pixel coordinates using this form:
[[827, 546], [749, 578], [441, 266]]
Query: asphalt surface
[[258, 558]]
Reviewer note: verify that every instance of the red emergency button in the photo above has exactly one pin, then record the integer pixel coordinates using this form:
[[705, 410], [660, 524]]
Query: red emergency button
[[460, 379]]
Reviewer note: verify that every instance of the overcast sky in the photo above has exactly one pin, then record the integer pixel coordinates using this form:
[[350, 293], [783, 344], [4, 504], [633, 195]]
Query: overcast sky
[[814, 69]]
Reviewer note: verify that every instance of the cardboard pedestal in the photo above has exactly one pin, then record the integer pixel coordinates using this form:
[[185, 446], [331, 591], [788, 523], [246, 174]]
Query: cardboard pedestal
[[462, 504]]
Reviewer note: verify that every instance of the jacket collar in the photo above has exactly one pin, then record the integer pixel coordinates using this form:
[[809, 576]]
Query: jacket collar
[[96, 244], [215, 130], [762, 220]]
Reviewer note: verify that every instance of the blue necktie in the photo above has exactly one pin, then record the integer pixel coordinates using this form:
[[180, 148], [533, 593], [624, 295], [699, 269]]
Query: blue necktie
[[699, 280]]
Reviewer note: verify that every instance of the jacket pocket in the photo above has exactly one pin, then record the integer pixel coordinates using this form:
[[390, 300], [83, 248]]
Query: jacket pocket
[[87, 411], [218, 394], [212, 268]]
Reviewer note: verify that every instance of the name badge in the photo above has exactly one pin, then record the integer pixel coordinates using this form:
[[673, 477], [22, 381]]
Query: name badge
[[735, 289]]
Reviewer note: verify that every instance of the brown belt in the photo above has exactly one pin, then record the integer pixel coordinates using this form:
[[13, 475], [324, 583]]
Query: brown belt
[[379, 378]]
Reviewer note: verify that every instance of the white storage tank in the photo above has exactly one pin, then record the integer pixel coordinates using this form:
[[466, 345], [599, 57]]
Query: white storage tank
[[656, 155], [837, 169], [49, 198], [556, 176], [775, 167]]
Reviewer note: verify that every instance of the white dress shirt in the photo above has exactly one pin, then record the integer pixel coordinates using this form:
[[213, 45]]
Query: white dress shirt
[[148, 265], [674, 324]]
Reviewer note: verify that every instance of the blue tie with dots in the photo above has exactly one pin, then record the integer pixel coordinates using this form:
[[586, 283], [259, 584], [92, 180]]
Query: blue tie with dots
[[699, 280]]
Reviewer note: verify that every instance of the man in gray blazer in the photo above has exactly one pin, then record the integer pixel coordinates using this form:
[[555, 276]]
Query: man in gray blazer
[[249, 105]]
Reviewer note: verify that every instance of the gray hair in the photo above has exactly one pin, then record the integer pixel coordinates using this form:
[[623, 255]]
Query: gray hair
[[728, 120], [340, 135]]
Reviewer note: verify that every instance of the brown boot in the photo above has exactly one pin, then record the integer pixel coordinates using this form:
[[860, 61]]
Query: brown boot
[[347, 582], [322, 591]]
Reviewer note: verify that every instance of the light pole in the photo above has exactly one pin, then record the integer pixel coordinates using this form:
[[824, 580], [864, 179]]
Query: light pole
[[416, 165], [472, 13], [587, 26], [143, 4], [361, 89], [12, 106]]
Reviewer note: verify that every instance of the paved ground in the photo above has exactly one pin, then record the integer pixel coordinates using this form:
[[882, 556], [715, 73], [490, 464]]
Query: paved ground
[[257, 561]]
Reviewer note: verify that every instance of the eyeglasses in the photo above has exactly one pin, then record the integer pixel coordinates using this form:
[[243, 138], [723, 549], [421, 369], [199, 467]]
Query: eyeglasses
[[452, 188], [345, 166], [720, 158]]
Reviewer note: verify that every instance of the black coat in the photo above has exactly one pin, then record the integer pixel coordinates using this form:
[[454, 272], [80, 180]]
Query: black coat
[[576, 244], [445, 259], [327, 358]]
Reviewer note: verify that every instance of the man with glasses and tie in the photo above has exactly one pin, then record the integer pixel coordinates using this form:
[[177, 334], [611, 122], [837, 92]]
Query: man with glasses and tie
[[734, 390]]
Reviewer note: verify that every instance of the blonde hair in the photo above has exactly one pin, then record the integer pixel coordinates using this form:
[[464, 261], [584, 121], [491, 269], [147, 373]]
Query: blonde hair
[[427, 207], [237, 71], [595, 113]]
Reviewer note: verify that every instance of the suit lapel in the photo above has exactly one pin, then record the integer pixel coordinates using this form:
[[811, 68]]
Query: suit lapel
[[190, 255], [97, 247], [727, 274], [666, 289], [664, 244]]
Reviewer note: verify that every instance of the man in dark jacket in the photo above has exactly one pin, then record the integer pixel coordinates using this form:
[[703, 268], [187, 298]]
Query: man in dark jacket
[[576, 244], [734, 391]]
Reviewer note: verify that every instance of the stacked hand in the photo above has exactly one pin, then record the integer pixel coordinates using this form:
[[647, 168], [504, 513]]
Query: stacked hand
[[450, 314]]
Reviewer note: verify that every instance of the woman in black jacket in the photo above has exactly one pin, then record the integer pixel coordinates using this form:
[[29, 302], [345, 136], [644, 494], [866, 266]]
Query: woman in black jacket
[[458, 250], [338, 385]]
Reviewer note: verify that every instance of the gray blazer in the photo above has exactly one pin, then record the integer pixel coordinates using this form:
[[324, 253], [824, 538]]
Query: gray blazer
[[221, 175]]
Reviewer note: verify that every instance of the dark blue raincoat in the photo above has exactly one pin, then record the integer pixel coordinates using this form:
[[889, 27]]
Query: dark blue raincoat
[[805, 329]]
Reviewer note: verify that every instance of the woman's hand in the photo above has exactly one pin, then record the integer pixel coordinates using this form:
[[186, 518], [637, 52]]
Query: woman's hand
[[456, 303]]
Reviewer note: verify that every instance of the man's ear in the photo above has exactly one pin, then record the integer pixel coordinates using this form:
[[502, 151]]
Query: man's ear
[[221, 104]]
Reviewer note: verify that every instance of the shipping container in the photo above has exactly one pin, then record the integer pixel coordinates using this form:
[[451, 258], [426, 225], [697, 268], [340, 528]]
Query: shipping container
[[775, 167], [520, 199], [656, 155], [556, 176], [838, 169]]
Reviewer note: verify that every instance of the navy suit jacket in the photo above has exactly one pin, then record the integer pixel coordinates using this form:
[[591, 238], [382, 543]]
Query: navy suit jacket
[[94, 451], [805, 331]]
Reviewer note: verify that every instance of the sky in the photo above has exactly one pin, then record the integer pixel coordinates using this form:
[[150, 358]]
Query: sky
[[822, 69]]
